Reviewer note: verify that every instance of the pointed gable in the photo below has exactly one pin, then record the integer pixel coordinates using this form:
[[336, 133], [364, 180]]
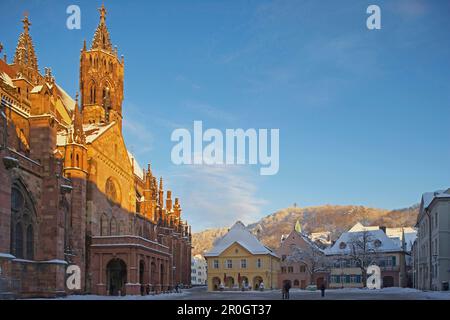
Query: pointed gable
[[241, 235]]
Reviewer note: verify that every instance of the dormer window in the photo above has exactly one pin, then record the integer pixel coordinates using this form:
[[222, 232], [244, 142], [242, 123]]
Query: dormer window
[[342, 245]]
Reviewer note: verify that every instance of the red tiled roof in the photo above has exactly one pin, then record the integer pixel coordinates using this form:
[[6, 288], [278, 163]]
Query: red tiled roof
[[6, 68]]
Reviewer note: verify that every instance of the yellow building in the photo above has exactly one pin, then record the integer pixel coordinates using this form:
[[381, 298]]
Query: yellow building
[[238, 260]]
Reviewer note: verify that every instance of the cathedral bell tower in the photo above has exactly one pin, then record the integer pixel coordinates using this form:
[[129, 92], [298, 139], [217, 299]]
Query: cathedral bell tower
[[101, 78], [75, 168]]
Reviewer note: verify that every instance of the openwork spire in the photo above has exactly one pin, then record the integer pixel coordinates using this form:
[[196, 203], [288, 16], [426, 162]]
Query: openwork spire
[[101, 37], [25, 55]]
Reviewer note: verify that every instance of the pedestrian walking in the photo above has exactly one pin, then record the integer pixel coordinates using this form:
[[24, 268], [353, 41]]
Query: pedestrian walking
[[287, 287], [322, 289]]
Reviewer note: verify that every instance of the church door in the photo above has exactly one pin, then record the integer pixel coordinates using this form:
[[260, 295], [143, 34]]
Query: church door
[[116, 272]]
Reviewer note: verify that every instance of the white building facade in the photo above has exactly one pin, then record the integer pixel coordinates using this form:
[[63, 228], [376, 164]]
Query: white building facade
[[199, 271], [432, 248], [362, 246]]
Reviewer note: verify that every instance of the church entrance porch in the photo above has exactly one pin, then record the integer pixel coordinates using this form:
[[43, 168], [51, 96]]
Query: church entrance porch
[[128, 265]]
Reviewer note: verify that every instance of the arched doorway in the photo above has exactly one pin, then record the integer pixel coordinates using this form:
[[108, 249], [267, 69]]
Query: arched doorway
[[141, 275], [153, 275], [388, 281], [116, 275], [244, 282], [257, 282], [287, 282], [216, 283], [319, 282], [161, 276], [229, 283], [303, 284], [141, 271]]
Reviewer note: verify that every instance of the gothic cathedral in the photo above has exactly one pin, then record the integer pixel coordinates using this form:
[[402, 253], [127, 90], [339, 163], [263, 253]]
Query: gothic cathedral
[[70, 191]]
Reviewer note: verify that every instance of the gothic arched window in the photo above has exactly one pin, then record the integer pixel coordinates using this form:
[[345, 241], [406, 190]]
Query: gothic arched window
[[18, 246], [113, 227], [122, 230], [30, 243], [112, 192], [92, 93], [104, 225], [23, 224]]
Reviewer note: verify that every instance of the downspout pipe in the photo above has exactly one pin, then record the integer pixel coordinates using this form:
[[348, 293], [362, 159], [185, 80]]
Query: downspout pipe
[[430, 248], [5, 127]]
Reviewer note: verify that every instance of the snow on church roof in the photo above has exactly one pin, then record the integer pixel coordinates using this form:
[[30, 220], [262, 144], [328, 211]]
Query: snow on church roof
[[137, 168], [241, 235], [68, 102], [61, 138], [93, 131], [7, 79]]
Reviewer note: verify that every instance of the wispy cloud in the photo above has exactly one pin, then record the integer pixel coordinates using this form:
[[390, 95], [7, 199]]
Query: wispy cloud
[[216, 196], [140, 138], [209, 111], [410, 8], [184, 79]]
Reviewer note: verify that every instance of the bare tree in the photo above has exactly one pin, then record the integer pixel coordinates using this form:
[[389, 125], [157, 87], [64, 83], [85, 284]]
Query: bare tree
[[362, 251], [312, 257]]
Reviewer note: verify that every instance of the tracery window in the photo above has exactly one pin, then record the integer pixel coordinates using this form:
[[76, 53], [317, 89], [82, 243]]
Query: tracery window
[[112, 192], [113, 227], [92, 94], [104, 225], [23, 224]]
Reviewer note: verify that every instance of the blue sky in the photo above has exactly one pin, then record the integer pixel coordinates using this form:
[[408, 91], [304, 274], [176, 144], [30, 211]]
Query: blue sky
[[364, 116]]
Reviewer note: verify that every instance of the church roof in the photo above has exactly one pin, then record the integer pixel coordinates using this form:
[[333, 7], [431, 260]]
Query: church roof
[[67, 100], [6, 79], [93, 130], [241, 235], [137, 168], [6, 73]]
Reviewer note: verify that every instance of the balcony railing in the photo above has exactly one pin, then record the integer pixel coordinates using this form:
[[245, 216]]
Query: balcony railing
[[128, 240]]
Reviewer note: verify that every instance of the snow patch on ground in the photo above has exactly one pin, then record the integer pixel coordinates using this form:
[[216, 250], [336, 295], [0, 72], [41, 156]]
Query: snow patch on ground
[[163, 296]]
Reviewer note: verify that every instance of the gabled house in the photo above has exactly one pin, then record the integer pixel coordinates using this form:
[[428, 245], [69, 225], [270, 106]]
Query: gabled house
[[239, 261], [360, 247], [303, 262]]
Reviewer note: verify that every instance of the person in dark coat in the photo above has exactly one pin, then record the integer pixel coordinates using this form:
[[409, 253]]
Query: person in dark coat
[[322, 289], [286, 288]]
